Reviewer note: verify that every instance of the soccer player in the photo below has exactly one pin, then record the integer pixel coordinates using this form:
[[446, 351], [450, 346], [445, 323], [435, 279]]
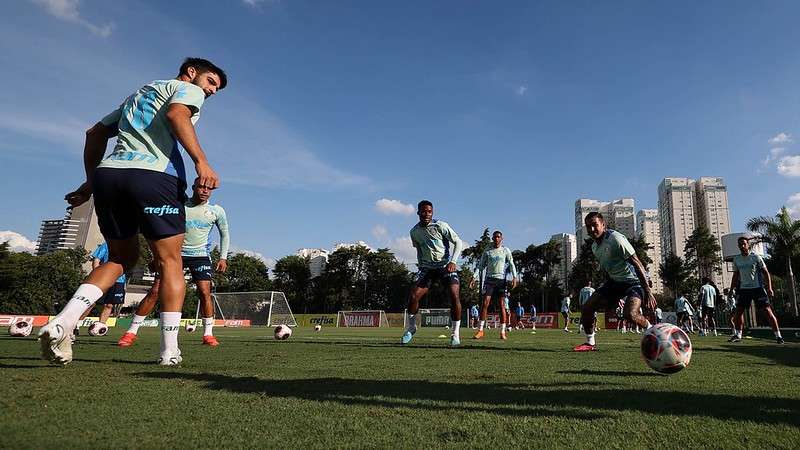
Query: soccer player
[[626, 274], [565, 312], [438, 248], [474, 315], [620, 311], [492, 268], [583, 297], [114, 296], [532, 318], [684, 313], [754, 284], [141, 186], [659, 314], [520, 311], [201, 217]]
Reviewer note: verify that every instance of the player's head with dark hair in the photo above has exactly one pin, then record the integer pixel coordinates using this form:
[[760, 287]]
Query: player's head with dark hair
[[706, 280], [744, 244], [497, 238], [425, 212], [204, 74], [595, 225]]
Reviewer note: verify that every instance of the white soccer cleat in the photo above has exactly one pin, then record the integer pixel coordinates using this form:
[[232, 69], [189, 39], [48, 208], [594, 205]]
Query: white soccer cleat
[[170, 358], [56, 344]]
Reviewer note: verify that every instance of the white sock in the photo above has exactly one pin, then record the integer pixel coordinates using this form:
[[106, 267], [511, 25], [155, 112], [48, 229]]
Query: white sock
[[502, 328], [648, 326], [170, 324], [739, 334], [136, 323], [412, 323], [483, 324], [85, 297], [778, 334], [590, 338], [208, 325], [456, 326]]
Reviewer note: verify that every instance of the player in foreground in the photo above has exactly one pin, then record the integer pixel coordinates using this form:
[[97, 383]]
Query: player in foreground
[[141, 186], [438, 248], [627, 279], [201, 217], [492, 268], [754, 282]]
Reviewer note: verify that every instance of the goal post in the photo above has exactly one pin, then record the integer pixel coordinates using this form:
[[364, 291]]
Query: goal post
[[370, 318], [268, 308]]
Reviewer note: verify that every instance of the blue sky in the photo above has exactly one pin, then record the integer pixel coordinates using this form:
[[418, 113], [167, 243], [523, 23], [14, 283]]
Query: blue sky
[[501, 113]]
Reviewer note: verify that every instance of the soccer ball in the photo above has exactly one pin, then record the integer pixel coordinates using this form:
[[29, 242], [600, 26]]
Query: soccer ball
[[317, 327], [98, 329], [666, 348], [20, 329], [190, 326], [282, 332]]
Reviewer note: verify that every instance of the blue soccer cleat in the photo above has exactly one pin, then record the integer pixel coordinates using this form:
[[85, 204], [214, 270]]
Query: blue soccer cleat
[[407, 336], [454, 341]]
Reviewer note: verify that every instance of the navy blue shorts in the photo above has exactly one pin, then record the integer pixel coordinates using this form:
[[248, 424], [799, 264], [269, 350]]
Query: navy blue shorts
[[496, 287], [745, 298], [199, 266], [426, 276], [612, 291], [129, 201], [114, 296]]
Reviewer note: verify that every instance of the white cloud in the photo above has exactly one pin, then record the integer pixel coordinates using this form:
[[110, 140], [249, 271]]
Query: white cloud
[[781, 139], [521, 90], [774, 153], [61, 131], [387, 206], [403, 250], [380, 232], [67, 10], [269, 262], [17, 242], [793, 205], [789, 166], [256, 3]]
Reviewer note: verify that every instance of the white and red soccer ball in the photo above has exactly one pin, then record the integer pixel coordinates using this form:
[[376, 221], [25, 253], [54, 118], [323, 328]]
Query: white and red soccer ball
[[666, 348], [318, 328], [20, 328], [282, 332]]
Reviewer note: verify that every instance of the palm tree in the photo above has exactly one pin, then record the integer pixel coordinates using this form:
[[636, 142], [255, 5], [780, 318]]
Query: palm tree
[[782, 234]]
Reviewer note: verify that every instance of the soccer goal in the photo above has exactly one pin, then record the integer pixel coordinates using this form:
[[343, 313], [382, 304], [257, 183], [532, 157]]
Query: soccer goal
[[376, 318], [268, 308]]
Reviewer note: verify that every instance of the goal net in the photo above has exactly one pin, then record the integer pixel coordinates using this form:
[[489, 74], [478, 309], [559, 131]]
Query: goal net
[[376, 318], [430, 317], [268, 308]]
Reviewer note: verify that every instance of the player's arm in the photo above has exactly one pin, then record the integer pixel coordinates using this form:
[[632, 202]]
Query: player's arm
[[767, 279], [640, 274], [224, 239], [510, 259], [734, 281], [179, 117], [458, 246], [93, 150]]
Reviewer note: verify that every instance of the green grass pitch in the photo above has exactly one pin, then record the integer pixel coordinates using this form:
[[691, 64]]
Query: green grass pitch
[[360, 388]]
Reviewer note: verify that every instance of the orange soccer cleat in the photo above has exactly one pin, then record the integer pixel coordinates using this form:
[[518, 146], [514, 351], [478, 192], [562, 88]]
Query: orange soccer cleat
[[478, 335], [210, 340], [127, 340], [585, 347]]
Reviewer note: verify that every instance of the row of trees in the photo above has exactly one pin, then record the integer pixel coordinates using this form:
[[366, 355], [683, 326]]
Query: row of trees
[[356, 278]]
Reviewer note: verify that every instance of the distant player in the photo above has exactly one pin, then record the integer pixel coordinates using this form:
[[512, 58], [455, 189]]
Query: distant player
[[438, 248], [583, 297], [141, 186], [754, 284], [532, 317], [520, 313], [620, 312], [201, 217], [659, 315], [565, 312], [492, 269], [626, 274], [115, 295], [474, 315]]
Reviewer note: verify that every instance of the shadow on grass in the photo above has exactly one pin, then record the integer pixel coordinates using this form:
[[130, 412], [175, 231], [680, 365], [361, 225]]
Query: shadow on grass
[[610, 373], [503, 398], [443, 346], [779, 354]]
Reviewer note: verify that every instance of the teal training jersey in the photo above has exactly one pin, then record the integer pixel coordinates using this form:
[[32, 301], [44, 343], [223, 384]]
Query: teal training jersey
[[749, 268], [145, 139], [584, 294], [200, 219], [494, 262], [612, 255], [437, 244], [708, 296]]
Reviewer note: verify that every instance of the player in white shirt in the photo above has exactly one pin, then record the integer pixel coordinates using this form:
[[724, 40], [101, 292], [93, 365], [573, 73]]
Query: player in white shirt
[[565, 312], [752, 282]]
